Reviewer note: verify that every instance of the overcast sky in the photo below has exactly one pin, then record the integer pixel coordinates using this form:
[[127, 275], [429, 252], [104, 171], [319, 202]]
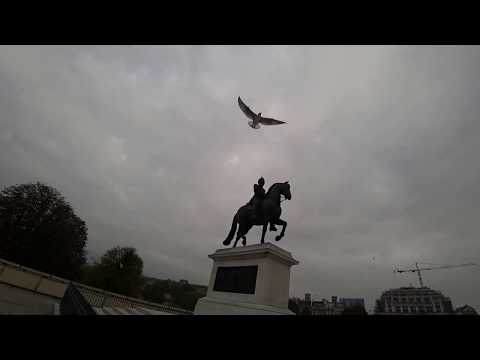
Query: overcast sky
[[150, 148]]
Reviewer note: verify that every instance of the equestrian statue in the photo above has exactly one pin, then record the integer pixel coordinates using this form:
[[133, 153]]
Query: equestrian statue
[[263, 209]]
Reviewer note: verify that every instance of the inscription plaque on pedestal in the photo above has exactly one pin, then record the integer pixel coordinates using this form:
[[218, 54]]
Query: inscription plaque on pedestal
[[251, 280], [236, 279]]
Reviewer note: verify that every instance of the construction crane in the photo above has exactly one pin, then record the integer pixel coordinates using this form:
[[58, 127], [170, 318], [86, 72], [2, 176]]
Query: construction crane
[[419, 270]]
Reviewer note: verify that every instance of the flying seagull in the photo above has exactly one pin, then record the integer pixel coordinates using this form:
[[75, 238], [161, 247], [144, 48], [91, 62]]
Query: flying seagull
[[256, 120]]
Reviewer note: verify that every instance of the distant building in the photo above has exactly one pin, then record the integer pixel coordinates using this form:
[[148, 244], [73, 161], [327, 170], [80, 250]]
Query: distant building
[[413, 301], [333, 307], [465, 310], [303, 306], [308, 298], [325, 307], [349, 303]]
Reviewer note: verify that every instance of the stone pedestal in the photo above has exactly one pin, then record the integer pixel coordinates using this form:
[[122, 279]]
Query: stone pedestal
[[248, 280]]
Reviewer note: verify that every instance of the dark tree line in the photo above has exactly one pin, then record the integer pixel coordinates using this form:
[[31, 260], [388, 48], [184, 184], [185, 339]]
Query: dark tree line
[[176, 293], [120, 270], [39, 229]]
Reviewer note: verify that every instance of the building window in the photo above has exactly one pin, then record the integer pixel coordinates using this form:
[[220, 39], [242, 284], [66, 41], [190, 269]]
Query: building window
[[413, 309], [405, 309], [429, 309], [397, 309]]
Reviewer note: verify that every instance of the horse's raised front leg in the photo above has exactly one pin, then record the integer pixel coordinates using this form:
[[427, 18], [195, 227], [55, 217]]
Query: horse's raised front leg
[[264, 230], [284, 225]]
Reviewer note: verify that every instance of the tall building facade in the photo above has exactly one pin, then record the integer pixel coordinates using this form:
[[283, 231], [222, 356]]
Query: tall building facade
[[413, 301]]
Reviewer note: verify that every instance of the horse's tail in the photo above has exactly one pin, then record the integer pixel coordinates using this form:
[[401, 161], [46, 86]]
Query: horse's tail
[[231, 234]]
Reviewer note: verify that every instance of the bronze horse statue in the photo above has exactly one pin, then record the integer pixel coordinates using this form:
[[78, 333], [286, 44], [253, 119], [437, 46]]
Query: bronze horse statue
[[271, 210]]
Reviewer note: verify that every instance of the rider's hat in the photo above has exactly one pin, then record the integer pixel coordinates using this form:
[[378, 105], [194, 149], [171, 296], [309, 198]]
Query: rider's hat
[[261, 180]]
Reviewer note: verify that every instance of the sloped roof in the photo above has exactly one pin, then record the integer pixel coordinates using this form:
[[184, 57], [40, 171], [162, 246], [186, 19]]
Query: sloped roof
[[107, 310], [46, 284]]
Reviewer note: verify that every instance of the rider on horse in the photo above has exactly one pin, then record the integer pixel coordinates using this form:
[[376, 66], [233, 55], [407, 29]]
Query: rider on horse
[[265, 203], [257, 200]]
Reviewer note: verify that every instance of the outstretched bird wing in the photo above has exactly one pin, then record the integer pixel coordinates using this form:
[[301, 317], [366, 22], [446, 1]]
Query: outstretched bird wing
[[270, 121], [246, 110]]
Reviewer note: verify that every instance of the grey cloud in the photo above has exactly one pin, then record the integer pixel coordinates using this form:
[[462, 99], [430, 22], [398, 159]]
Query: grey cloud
[[149, 146]]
